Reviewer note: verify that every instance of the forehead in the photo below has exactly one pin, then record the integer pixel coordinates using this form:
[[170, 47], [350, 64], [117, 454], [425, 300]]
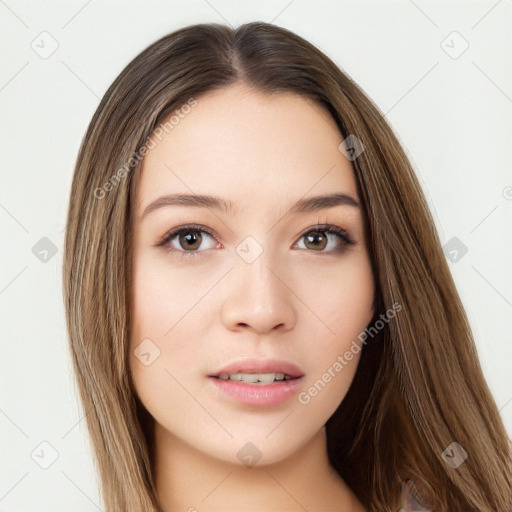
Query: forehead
[[249, 147]]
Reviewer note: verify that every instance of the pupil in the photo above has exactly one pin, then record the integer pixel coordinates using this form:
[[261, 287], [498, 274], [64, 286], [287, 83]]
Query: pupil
[[314, 238], [191, 238]]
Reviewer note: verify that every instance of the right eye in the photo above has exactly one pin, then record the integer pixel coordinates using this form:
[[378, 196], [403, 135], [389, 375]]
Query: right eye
[[186, 239]]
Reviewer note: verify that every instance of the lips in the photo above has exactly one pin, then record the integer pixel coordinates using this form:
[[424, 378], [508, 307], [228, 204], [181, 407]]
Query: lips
[[250, 365], [262, 394]]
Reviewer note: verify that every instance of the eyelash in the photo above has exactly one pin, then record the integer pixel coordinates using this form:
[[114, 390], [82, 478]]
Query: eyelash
[[173, 233]]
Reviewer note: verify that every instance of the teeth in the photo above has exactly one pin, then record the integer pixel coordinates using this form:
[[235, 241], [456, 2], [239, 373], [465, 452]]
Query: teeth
[[255, 378]]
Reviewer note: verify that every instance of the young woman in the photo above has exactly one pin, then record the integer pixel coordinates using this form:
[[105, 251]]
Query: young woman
[[260, 312]]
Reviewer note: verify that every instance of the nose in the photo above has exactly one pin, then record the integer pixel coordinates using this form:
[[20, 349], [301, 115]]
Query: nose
[[260, 298]]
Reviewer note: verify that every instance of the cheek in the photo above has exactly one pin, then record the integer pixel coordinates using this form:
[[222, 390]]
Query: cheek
[[157, 304], [341, 298], [165, 295], [344, 311]]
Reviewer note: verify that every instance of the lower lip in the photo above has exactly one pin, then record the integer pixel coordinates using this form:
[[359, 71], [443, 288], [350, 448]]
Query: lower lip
[[258, 394]]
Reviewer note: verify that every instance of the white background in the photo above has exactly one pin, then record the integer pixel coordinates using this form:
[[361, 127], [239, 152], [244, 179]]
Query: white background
[[453, 116]]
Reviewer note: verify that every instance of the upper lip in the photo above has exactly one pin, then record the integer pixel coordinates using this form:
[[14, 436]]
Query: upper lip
[[250, 365]]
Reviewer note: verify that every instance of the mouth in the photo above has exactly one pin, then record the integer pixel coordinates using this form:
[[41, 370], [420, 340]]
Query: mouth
[[262, 382], [255, 378], [259, 371]]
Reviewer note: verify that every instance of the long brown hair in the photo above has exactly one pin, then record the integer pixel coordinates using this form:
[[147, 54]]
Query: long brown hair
[[419, 386]]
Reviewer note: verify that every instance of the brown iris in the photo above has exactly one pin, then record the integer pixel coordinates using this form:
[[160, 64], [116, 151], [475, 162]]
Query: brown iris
[[193, 238], [314, 238]]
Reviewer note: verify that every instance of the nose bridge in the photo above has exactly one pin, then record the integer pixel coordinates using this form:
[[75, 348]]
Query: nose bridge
[[258, 298], [257, 260], [260, 275], [257, 274]]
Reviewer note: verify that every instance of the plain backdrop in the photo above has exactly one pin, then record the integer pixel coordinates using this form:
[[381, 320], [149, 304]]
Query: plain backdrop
[[441, 73]]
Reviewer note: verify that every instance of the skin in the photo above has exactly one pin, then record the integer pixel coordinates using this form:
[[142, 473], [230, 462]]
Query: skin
[[297, 301]]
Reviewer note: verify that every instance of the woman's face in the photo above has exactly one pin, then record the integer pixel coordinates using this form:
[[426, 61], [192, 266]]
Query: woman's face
[[256, 286]]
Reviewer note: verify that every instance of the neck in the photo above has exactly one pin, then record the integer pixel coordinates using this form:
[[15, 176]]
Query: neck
[[189, 480]]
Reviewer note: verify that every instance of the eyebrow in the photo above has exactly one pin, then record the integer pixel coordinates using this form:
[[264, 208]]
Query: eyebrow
[[309, 204]]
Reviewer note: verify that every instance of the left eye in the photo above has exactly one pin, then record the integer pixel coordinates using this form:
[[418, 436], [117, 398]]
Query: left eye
[[188, 239], [319, 237]]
